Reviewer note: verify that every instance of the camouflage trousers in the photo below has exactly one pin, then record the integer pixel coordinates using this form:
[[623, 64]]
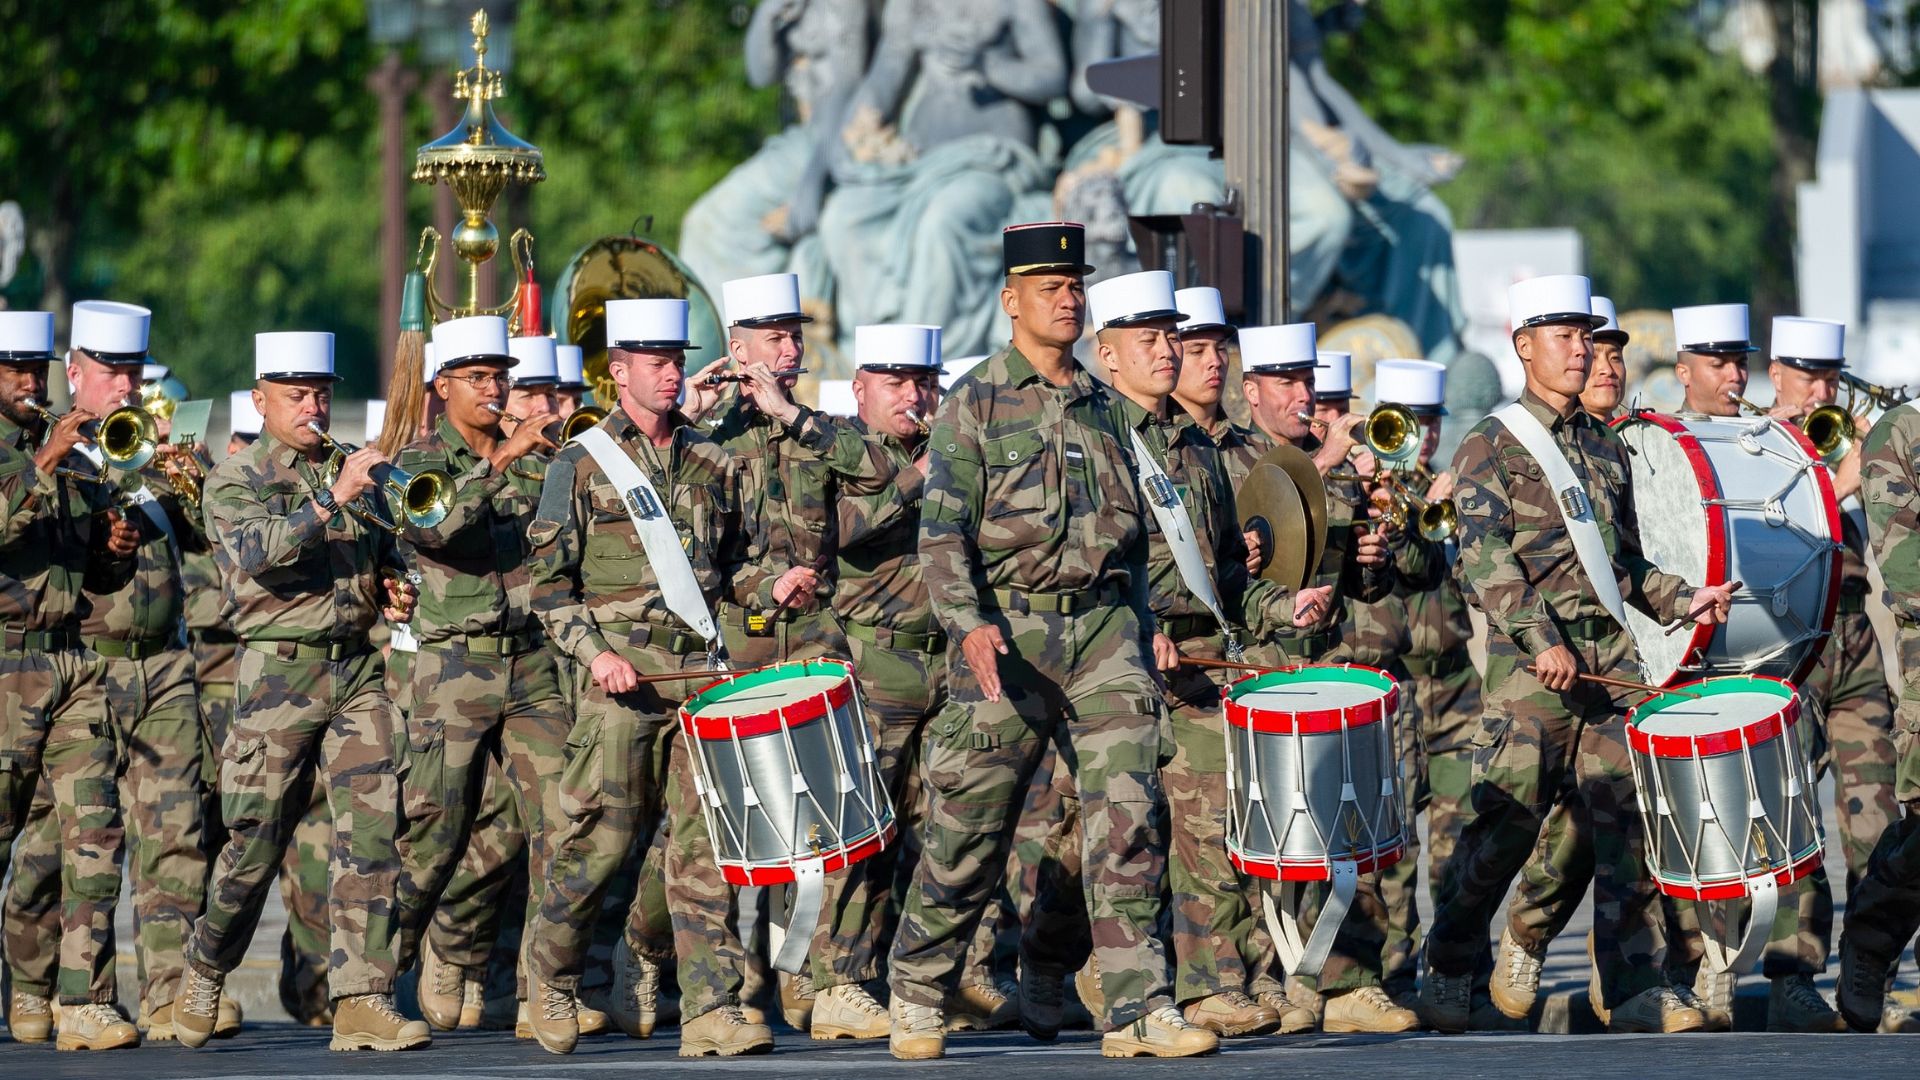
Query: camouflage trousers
[[470, 710], [216, 716], [302, 717], [156, 724], [58, 759], [467, 921], [1436, 777], [611, 782], [1883, 911], [1079, 682], [1536, 748], [307, 939]]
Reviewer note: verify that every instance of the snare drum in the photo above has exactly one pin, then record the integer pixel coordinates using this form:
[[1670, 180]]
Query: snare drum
[[1723, 499], [1726, 793], [784, 767]]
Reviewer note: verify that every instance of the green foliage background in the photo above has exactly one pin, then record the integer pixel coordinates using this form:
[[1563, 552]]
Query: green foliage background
[[219, 161]]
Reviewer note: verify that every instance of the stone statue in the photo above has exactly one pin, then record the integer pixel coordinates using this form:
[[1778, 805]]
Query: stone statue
[[936, 156]]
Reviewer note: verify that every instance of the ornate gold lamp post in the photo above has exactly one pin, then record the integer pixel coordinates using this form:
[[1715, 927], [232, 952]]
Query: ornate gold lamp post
[[477, 160]]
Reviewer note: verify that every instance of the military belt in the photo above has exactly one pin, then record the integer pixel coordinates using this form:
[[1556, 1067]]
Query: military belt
[[1438, 667], [1310, 646], [756, 623], [1592, 628], [1189, 627], [216, 636], [886, 637], [640, 635], [1026, 603], [21, 640], [332, 651], [129, 648], [486, 644]]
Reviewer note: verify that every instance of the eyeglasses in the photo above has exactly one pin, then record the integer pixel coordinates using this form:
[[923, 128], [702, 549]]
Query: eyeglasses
[[480, 378]]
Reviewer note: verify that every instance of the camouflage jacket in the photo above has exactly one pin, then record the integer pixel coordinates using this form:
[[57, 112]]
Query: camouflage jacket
[[473, 565], [1891, 491], [49, 543], [1029, 489], [1517, 562], [1240, 447], [880, 576], [213, 653], [789, 481], [143, 597], [589, 568], [287, 575]]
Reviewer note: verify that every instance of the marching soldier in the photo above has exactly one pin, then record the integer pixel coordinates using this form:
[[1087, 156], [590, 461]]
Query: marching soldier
[[1712, 360], [60, 757], [1204, 334], [304, 580], [1606, 392], [626, 601], [1034, 550], [1548, 551], [1883, 909]]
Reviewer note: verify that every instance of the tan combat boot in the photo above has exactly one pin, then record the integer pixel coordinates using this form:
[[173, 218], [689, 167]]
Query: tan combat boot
[[1160, 1033], [1294, 1019], [95, 1027], [634, 1002], [796, 1000], [227, 1024], [591, 1020], [1366, 1009], [473, 1002], [156, 1025], [1713, 997], [1516, 979], [1794, 1005], [1086, 987], [370, 1022], [196, 1012], [551, 1017], [1231, 1013], [983, 1007], [847, 1011], [442, 991], [30, 1018], [1655, 1011], [919, 1032], [724, 1031]]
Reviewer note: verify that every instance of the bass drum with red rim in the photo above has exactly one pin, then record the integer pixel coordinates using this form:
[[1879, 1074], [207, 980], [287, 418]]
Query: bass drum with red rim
[[1723, 499]]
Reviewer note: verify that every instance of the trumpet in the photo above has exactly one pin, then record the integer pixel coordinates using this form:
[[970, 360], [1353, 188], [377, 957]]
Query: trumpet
[[1311, 420], [1436, 521], [559, 431], [425, 498], [1393, 433], [1832, 430]]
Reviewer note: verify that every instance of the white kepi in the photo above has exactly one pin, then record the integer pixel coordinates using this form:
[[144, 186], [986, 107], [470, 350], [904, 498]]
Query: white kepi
[[293, 354], [1132, 299], [1266, 350], [1333, 376], [1553, 298], [430, 363], [1609, 330], [538, 360], [376, 419], [902, 348], [243, 418], [1813, 344], [651, 323], [1420, 385], [26, 336], [471, 340], [572, 365], [1712, 328], [1201, 309], [763, 300], [111, 332]]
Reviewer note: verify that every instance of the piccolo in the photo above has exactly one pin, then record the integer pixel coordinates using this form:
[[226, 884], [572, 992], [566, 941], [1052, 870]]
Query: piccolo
[[740, 376], [919, 422]]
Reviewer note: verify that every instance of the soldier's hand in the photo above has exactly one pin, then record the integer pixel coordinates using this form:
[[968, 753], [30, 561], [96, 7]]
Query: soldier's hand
[[1717, 602], [1441, 489], [1312, 605], [1256, 552], [1556, 668], [768, 392], [1166, 655], [1370, 543], [402, 598], [797, 583], [528, 436], [64, 436], [1339, 442], [701, 397], [983, 647], [356, 474], [612, 673], [123, 537]]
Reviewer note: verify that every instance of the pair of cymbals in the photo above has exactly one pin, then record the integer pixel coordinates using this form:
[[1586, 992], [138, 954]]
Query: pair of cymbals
[[1284, 501]]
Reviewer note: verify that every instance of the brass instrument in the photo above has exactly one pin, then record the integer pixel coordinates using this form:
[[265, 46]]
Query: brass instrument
[[919, 423], [1832, 429], [1885, 397], [129, 440], [1393, 433], [560, 432], [620, 268], [426, 497], [1435, 521], [1311, 420]]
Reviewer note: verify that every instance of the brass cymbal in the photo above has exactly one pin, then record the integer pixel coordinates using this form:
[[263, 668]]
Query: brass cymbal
[[1299, 464], [1270, 505]]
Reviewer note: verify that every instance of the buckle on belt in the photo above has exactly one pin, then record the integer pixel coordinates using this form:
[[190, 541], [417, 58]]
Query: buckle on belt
[[1573, 501]]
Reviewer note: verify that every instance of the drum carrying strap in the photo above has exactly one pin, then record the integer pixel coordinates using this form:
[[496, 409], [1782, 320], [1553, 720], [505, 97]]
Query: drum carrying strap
[[1308, 957], [1763, 894], [1176, 528], [1575, 508], [678, 587]]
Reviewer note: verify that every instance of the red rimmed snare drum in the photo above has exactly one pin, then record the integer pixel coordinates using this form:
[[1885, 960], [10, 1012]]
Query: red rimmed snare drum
[[1727, 795]]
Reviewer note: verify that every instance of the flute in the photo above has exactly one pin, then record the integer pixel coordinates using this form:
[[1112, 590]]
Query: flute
[[919, 423], [740, 376]]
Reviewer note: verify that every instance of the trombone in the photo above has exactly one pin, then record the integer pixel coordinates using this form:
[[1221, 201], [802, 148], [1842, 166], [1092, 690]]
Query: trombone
[[425, 498], [560, 432]]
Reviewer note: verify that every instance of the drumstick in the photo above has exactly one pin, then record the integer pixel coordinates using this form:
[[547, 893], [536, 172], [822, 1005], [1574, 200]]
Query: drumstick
[[1623, 684], [1230, 665], [1687, 620], [680, 676]]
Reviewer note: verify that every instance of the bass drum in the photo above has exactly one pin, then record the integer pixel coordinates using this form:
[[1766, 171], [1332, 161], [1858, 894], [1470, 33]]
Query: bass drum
[[1745, 499], [627, 268]]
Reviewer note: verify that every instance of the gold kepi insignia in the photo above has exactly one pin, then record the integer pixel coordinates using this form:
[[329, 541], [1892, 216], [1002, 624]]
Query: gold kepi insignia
[[1063, 243]]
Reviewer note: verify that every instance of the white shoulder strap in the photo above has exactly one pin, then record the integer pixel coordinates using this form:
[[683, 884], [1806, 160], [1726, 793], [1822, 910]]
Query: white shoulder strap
[[678, 586], [1574, 505], [1177, 529]]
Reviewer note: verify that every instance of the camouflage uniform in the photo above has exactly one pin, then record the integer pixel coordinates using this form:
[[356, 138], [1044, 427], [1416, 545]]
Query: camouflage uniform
[[485, 686], [1883, 911], [302, 594], [467, 922], [1032, 523], [1535, 747], [54, 723], [594, 591], [307, 941]]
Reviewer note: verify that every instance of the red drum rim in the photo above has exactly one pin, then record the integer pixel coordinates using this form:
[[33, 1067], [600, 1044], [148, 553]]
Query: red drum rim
[[1718, 742], [739, 873], [1317, 869], [1824, 478], [1312, 721], [747, 725], [1733, 890]]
